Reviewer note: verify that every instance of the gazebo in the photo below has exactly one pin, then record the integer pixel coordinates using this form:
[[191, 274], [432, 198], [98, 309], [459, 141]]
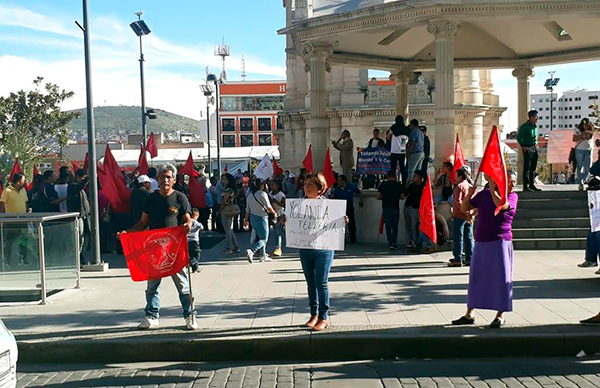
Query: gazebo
[[404, 36]]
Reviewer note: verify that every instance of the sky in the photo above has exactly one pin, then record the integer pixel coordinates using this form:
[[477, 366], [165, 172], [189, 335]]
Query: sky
[[39, 37]]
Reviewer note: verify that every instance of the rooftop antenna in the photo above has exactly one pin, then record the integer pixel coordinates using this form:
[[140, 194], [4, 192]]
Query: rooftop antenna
[[243, 69], [223, 51]]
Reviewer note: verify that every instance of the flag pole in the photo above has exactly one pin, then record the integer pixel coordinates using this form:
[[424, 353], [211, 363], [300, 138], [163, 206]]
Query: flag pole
[[189, 271]]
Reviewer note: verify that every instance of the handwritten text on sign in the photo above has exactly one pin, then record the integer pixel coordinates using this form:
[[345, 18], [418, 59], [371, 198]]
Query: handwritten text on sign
[[315, 224]]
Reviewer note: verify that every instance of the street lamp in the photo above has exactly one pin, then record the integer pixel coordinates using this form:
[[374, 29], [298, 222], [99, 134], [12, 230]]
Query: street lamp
[[208, 91], [550, 84], [213, 78], [141, 29]]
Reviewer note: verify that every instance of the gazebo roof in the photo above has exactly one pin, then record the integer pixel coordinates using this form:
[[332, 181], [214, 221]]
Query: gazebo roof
[[389, 35]]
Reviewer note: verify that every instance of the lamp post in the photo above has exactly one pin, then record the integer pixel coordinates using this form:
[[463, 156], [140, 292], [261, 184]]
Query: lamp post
[[208, 91], [141, 29], [550, 84], [213, 78]]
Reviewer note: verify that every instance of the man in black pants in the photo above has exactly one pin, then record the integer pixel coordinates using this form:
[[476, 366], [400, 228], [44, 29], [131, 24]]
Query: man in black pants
[[527, 139], [400, 134], [347, 191]]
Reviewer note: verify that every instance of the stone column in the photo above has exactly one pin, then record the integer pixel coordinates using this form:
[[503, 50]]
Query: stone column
[[472, 140], [402, 77], [458, 94], [472, 94], [287, 149], [300, 142], [319, 125], [524, 100], [444, 32], [352, 95], [337, 85]]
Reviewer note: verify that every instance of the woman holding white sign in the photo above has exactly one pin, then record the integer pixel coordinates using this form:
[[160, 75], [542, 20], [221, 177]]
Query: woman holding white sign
[[257, 214]]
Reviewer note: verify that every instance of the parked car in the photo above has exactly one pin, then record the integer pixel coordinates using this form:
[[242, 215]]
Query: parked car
[[8, 358]]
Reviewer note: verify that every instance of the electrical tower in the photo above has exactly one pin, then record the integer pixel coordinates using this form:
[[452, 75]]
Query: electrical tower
[[223, 51], [243, 68]]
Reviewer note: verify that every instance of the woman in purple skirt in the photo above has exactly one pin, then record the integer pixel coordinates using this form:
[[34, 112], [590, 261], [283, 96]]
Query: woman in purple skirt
[[491, 274]]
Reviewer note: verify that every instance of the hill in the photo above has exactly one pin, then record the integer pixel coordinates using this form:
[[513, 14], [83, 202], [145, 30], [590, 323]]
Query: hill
[[115, 123]]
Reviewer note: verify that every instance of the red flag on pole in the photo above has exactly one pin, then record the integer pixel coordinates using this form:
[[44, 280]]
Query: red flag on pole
[[381, 224], [427, 213], [494, 166], [113, 184], [74, 166], [155, 254], [143, 166], [188, 168], [35, 172], [226, 168], [308, 160], [151, 146], [16, 169], [277, 171], [459, 159], [86, 162], [328, 170]]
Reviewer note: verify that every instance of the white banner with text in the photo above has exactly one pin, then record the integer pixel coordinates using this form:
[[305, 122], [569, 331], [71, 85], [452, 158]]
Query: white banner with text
[[315, 224]]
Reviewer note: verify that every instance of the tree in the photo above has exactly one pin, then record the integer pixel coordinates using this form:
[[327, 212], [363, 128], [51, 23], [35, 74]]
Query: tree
[[32, 123], [595, 114]]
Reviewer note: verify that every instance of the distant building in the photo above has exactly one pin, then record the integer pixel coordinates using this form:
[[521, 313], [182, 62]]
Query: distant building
[[568, 109], [248, 112]]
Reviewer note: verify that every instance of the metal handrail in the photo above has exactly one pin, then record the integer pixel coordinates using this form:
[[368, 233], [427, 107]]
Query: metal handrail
[[8, 218]]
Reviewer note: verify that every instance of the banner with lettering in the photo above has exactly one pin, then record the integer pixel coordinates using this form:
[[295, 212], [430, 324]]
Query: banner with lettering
[[373, 161], [315, 224]]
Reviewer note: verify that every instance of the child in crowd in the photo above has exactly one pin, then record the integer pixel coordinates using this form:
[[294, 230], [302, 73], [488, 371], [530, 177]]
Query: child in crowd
[[194, 241]]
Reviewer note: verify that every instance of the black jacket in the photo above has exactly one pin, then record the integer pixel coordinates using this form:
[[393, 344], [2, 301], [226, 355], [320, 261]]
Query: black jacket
[[380, 143], [399, 129]]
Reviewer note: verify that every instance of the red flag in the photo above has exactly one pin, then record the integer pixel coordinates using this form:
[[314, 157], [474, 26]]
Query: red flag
[[74, 166], [226, 168], [188, 168], [381, 223], [86, 162], [15, 170], [143, 166], [328, 170], [113, 184], [197, 193], [156, 253], [277, 171], [427, 213], [151, 146], [459, 159], [308, 160], [493, 165], [35, 172]]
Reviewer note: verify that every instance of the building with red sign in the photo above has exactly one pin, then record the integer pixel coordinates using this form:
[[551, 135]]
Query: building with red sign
[[248, 112]]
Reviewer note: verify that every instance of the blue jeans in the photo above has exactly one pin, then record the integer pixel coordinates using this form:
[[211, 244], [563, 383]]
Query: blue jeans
[[411, 222], [424, 241], [153, 295], [592, 248], [391, 219], [462, 233], [584, 161], [278, 231], [261, 226], [316, 266], [415, 160]]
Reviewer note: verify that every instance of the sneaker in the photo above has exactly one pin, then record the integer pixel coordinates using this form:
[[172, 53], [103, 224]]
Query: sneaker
[[393, 248], [532, 187], [580, 187], [148, 323], [410, 244], [226, 251], [587, 264], [265, 259], [597, 272], [428, 251], [453, 263], [191, 323], [277, 252], [250, 255]]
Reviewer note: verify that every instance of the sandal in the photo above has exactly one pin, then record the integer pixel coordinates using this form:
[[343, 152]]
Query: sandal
[[497, 323], [463, 321]]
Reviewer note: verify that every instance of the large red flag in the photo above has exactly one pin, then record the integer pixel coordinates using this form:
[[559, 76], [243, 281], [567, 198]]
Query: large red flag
[[155, 254], [86, 162], [16, 169], [35, 172], [74, 166], [113, 184], [494, 166], [188, 168], [308, 160], [427, 213], [328, 170], [277, 171], [143, 166], [459, 159], [197, 193], [151, 146]]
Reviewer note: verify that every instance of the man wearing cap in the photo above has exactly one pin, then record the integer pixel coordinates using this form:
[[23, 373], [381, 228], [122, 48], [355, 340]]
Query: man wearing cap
[[291, 187], [138, 196]]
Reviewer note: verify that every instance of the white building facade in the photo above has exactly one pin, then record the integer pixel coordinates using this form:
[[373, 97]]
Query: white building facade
[[568, 109]]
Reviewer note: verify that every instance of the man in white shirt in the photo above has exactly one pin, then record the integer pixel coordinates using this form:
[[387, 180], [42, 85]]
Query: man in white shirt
[[400, 134], [152, 177]]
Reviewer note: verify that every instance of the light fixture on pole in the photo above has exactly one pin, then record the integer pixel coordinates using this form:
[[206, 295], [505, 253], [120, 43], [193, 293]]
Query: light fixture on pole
[[550, 84], [208, 91], [141, 29], [213, 78]]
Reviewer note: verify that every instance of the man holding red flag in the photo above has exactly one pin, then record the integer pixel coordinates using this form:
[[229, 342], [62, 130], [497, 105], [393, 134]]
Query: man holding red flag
[[162, 209]]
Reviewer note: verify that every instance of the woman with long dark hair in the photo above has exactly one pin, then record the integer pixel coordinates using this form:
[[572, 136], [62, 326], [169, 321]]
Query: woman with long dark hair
[[257, 215], [278, 200], [228, 203], [583, 151]]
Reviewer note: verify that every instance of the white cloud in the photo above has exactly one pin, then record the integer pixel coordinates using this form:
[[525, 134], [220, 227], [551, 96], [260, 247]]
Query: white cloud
[[21, 17]]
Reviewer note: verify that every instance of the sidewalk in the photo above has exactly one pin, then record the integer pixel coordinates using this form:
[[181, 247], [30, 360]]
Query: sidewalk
[[372, 292]]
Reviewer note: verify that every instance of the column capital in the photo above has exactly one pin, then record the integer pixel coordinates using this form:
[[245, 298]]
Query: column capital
[[317, 50], [443, 29], [401, 75], [523, 73]]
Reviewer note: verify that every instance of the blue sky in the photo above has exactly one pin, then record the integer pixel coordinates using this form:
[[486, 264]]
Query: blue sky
[[40, 38]]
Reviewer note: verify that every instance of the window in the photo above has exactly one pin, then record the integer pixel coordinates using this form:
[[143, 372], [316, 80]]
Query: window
[[228, 140], [247, 125], [533, 100], [264, 124], [570, 108], [570, 100], [577, 98], [228, 125], [247, 140], [592, 97], [541, 100], [577, 108], [279, 124], [264, 140], [547, 100]]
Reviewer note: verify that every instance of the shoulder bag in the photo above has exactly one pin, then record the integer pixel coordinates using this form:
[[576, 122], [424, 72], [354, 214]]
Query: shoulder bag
[[272, 220], [231, 209]]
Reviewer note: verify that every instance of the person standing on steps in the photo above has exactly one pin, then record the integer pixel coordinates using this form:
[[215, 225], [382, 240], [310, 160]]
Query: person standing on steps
[[415, 148], [398, 141], [346, 147], [583, 151], [389, 194], [162, 209], [491, 272], [527, 137]]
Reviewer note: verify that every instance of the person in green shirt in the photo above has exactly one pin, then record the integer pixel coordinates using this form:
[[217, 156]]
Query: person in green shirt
[[527, 139]]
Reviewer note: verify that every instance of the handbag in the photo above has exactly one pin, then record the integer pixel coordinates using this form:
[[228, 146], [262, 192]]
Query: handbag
[[272, 220], [231, 210]]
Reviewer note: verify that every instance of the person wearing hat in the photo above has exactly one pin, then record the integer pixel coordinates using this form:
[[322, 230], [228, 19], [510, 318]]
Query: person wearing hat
[[291, 187], [142, 189]]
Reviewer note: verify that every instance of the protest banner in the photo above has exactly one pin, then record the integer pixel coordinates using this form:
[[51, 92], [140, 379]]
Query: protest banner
[[594, 206], [373, 161], [315, 224]]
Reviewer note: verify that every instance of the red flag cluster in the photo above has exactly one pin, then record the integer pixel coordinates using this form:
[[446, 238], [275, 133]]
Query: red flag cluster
[[327, 169], [143, 166], [113, 183], [197, 191]]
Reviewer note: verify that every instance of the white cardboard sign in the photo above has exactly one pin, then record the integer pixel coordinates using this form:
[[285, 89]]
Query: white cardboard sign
[[594, 205], [315, 224]]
